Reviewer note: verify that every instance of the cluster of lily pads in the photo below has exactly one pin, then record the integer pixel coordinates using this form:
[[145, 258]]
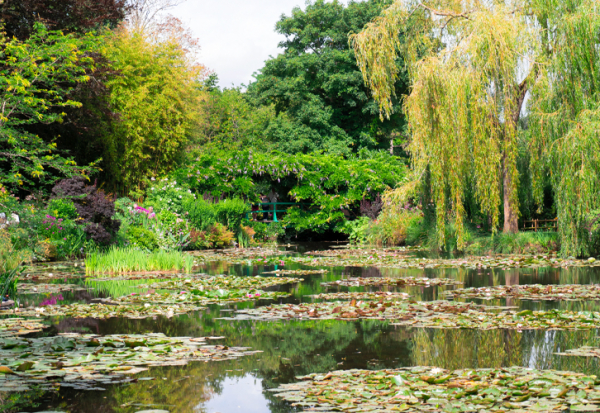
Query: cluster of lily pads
[[103, 311], [398, 282], [237, 255], [10, 327], [427, 389], [362, 259], [570, 292], [31, 288], [433, 314], [222, 282], [198, 297], [86, 361], [375, 295], [296, 272]]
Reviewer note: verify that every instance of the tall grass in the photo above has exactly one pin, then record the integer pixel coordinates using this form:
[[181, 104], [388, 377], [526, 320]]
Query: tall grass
[[519, 243], [125, 260]]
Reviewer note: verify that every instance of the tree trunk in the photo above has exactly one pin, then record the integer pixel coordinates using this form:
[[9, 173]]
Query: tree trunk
[[511, 220]]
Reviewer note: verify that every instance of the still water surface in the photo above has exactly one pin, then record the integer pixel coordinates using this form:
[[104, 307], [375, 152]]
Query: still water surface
[[294, 348]]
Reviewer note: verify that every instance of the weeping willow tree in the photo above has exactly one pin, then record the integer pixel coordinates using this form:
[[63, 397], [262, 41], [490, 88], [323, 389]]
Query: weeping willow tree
[[472, 64]]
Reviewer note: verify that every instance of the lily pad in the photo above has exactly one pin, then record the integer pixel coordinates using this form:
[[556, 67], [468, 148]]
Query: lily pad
[[399, 282], [377, 295], [85, 361], [222, 281], [47, 288], [427, 389], [102, 311], [569, 292], [194, 296], [10, 327], [436, 314]]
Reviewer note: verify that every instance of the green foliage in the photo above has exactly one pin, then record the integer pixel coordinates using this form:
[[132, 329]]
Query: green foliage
[[316, 87], [219, 237], [165, 194], [200, 213], [356, 230], [124, 260], [142, 238], [392, 227], [521, 243], [327, 184], [62, 208], [229, 121], [155, 95], [36, 78], [231, 212]]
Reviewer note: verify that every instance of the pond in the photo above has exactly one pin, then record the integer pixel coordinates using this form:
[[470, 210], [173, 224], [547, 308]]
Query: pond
[[291, 348]]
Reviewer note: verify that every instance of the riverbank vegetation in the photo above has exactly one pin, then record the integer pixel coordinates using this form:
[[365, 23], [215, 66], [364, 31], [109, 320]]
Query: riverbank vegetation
[[333, 139]]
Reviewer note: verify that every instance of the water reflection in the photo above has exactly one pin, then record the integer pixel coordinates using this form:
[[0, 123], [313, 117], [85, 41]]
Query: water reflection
[[294, 348]]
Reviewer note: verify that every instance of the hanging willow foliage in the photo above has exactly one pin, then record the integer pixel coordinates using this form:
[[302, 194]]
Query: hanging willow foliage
[[565, 115], [472, 64]]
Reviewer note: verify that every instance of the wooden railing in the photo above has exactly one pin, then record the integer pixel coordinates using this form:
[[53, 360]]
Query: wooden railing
[[540, 225]]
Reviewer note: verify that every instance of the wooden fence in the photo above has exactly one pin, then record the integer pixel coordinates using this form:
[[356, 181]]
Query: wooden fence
[[540, 225]]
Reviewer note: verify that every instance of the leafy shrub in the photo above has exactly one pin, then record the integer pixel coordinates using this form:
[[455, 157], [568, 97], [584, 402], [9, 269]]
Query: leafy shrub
[[62, 208], [231, 212], [200, 213], [168, 195], [219, 237], [260, 230], [356, 230], [142, 238], [94, 207], [274, 231], [391, 228], [246, 236]]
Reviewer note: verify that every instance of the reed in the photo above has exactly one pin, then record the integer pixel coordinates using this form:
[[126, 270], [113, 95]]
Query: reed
[[127, 260]]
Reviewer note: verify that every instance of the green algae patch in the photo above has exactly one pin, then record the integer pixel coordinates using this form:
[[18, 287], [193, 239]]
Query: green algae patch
[[87, 361], [396, 282], [297, 272], [568, 292], [376, 295], [228, 282], [432, 314], [427, 389], [10, 327]]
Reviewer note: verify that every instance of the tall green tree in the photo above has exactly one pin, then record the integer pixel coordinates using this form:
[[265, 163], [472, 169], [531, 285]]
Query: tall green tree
[[36, 78], [471, 67], [155, 93], [316, 86]]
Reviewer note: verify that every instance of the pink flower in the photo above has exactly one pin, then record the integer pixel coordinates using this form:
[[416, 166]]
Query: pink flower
[[133, 293], [282, 262], [257, 295]]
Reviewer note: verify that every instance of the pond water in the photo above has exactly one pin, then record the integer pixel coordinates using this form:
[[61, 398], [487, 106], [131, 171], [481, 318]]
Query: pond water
[[293, 348]]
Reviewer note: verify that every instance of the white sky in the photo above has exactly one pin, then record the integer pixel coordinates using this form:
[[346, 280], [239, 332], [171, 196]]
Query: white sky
[[236, 36]]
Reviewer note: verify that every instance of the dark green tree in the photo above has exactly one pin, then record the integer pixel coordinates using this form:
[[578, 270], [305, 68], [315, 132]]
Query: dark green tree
[[316, 86]]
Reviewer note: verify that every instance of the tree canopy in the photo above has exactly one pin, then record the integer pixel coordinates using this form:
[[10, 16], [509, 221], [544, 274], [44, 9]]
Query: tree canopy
[[316, 87], [471, 68]]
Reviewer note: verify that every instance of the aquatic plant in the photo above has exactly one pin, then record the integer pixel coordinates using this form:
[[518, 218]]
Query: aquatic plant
[[126, 260], [430, 389]]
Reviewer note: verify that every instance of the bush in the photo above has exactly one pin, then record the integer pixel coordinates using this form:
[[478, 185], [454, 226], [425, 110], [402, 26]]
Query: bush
[[201, 214], [356, 230], [231, 212], [62, 208], [94, 207], [219, 237], [168, 195], [392, 227], [141, 238]]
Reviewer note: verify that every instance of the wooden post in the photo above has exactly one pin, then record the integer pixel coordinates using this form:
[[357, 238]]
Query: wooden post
[[535, 222]]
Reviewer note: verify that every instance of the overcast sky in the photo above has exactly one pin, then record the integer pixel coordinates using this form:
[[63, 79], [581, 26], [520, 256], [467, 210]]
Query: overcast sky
[[236, 36]]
